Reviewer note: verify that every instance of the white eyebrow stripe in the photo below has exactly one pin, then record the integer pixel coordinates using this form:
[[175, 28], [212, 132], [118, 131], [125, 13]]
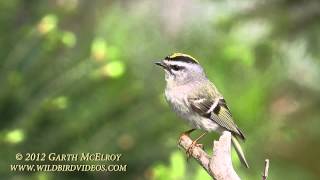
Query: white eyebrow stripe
[[178, 63]]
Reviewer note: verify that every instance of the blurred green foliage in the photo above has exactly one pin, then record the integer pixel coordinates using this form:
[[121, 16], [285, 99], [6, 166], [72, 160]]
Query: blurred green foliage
[[78, 76], [177, 169]]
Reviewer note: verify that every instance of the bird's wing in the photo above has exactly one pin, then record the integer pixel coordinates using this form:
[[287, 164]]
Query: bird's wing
[[217, 110]]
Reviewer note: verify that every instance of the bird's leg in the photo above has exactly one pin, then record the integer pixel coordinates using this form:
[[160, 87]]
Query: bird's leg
[[194, 143]]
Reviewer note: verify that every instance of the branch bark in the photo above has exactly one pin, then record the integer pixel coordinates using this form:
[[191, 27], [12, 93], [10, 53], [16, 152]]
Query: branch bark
[[219, 166]]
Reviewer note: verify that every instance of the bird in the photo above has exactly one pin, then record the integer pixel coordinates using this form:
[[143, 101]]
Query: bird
[[195, 99]]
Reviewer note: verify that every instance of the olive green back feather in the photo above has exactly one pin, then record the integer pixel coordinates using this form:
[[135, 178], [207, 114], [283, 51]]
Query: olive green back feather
[[201, 103]]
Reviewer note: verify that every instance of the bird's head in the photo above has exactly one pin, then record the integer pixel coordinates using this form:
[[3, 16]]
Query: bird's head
[[181, 69]]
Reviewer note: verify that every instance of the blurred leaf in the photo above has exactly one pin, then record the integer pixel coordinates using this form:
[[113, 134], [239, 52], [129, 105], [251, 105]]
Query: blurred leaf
[[15, 136]]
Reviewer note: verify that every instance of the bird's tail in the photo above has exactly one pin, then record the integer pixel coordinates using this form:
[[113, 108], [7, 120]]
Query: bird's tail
[[239, 151]]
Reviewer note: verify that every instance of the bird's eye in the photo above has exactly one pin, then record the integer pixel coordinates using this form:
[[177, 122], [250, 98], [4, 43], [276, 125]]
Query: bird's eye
[[176, 68]]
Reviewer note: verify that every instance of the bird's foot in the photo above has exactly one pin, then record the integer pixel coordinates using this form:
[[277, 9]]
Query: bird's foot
[[191, 147], [195, 144]]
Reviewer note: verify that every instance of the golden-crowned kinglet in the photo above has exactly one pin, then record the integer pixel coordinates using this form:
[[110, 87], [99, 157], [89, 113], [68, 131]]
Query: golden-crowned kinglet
[[195, 98]]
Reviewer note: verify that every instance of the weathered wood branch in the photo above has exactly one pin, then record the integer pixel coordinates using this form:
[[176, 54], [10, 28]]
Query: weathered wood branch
[[266, 170], [219, 165]]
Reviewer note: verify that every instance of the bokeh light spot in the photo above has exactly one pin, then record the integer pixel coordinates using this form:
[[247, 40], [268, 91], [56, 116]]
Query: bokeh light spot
[[60, 102], [15, 136], [69, 39], [99, 49], [114, 69], [47, 23]]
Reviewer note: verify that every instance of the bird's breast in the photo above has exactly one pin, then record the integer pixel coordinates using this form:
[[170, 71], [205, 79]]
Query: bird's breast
[[177, 100]]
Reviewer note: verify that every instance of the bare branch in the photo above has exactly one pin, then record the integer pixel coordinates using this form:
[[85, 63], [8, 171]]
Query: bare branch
[[266, 170], [219, 166], [197, 153]]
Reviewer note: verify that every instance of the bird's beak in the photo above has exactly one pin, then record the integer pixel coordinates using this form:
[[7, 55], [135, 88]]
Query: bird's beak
[[162, 64]]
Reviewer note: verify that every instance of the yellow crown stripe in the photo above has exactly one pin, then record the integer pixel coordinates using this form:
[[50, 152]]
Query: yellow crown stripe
[[174, 55]]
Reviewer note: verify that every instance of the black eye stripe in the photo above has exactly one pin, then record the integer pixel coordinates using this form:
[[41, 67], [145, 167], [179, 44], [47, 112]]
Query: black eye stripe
[[176, 67]]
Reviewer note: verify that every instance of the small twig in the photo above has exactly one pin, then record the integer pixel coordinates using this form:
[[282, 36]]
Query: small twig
[[219, 166], [266, 170]]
